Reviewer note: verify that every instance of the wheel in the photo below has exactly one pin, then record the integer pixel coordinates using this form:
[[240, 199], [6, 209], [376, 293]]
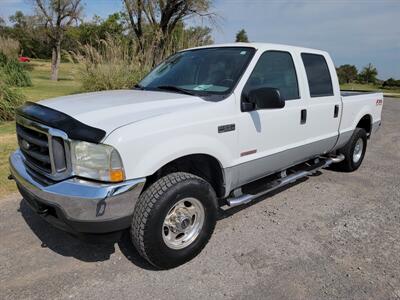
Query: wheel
[[174, 219], [354, 151]]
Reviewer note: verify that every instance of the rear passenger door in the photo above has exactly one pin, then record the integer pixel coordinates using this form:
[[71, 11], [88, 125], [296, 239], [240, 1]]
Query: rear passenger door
[[324, 107]]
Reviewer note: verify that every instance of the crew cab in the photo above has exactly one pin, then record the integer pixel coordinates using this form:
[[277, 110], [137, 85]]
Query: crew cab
[[210, 127]]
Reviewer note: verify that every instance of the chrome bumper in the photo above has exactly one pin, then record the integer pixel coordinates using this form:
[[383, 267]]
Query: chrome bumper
[[84, 206]]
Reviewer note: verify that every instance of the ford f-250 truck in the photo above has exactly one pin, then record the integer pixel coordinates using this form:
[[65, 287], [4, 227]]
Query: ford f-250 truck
[[208, 127]]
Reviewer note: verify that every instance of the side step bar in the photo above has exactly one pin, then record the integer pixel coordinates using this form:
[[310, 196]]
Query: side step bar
[[273, 185]]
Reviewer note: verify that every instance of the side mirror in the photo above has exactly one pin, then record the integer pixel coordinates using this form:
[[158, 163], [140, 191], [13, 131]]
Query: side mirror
[[264, 98]]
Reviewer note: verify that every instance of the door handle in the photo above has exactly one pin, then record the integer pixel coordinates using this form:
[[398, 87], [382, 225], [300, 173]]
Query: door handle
[[303, 116], [336, 112]]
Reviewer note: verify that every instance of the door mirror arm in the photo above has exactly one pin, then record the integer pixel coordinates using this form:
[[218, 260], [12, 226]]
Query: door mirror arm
[[246, 105]]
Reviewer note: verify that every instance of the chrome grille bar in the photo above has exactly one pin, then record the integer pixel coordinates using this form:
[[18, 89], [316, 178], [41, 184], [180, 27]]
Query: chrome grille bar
[[46, 150], [21, 132]]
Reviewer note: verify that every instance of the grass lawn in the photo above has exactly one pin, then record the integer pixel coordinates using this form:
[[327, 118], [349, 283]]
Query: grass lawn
[[370, 88], [8, 143], [42, 88]]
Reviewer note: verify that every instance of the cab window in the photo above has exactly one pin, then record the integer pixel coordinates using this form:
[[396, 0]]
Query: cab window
[[275, 69], [318, 76]]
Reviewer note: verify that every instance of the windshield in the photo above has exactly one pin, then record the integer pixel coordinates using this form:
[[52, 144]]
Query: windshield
[[207, 71]]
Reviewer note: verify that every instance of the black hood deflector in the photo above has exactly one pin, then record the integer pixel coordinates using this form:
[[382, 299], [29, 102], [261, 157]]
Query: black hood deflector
[[75, 129]]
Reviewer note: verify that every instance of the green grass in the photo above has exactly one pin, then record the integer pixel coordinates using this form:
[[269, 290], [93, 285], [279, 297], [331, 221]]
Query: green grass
[[42, 88], [8, 143], [370, 88]]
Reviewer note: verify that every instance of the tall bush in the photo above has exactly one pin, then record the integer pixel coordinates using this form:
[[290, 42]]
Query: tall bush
[[9, 47], [109, 64], [118, 63], [13, 72], [10, 99]]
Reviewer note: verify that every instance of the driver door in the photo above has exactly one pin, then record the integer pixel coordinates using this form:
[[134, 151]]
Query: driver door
[[271, 140]]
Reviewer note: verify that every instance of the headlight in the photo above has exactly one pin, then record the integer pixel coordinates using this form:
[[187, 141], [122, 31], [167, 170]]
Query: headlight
[[96, 161]]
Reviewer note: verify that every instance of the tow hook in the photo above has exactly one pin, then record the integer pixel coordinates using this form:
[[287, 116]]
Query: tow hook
[[10, 177]]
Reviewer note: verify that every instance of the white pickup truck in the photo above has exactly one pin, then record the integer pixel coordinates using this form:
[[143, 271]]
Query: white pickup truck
[[210, 127]]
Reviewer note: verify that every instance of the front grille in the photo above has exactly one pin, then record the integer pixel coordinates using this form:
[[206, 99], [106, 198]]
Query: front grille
[[44, 152], [35, 147]]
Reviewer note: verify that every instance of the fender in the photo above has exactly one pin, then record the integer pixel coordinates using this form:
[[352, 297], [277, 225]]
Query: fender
[[366, 111], [144, 155], [349, 121]]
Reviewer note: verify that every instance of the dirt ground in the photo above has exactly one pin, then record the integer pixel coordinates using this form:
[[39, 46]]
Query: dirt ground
[[330, 236]]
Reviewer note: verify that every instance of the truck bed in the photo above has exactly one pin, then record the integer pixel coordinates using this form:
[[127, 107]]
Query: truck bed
[[357, 105], [354, 93]]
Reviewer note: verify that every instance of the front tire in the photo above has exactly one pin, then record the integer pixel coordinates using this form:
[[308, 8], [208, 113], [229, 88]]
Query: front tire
[[354, 151], [174, 219]]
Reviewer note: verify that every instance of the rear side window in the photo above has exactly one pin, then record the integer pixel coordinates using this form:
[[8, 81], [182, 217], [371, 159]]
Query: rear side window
[[319, 78], [275, 69]]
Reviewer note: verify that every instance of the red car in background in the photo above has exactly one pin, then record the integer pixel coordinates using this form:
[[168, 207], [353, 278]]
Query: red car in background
[[24, 59]]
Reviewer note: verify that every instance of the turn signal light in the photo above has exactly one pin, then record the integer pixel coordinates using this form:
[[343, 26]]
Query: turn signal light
[[117, 175]]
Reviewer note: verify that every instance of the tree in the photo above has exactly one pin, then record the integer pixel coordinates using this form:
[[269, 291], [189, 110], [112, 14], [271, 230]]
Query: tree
[[347, 73], [189, 37], [162, 16], [95, 30], [30, 35], [368, 74], [391, 82], [241, 36], [18, 19], [200, 36], [57, 16]]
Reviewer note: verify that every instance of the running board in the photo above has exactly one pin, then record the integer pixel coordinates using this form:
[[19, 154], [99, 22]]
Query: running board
[[276, 184]]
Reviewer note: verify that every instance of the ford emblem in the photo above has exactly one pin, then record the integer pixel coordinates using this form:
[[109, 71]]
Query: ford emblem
[[25, 145]]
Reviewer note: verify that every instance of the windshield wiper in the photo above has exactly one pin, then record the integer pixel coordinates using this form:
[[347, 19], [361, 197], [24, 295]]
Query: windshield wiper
[[173, 88], [138, 87]]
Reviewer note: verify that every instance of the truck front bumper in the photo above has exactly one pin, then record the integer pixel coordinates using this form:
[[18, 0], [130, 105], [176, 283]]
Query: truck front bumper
[[76, 205]]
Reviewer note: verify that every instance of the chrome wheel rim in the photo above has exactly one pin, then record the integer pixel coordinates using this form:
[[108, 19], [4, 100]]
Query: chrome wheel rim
[[358, 150], [183, 223]]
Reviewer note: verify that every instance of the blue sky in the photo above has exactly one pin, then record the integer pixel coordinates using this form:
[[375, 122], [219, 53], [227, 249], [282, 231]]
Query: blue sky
[[353, 31]]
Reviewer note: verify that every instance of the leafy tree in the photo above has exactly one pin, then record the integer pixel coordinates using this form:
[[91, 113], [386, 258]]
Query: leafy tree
[[97, 29], [200, 36], [241, 36], [189, 37], [368, 74], [162, 17], [30, 35], [18, 19], [347, 73], [391, 82], [57, 16]]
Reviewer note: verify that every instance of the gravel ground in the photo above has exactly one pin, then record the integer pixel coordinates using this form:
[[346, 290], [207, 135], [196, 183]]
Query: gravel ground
[[330, 236]]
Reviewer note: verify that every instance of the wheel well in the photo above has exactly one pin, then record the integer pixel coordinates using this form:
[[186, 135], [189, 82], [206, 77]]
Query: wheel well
[[202, 165], [365, 123]]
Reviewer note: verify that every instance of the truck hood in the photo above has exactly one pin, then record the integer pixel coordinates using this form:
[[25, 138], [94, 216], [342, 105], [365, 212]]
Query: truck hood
[[109, 110]]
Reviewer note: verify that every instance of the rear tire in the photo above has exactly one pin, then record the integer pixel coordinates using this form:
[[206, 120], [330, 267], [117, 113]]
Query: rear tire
[[353, 151], [174, 219]]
